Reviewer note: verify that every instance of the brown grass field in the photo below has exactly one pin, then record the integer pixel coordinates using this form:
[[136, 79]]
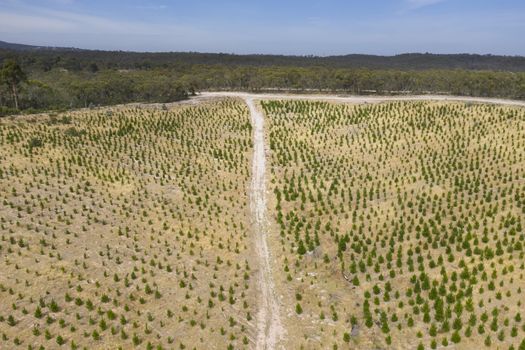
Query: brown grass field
[[398, 225], [127, 228], [394, 225]]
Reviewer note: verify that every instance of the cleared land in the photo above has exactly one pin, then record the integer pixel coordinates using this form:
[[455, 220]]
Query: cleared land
[[313, 225], [128, 228], [398, 225]]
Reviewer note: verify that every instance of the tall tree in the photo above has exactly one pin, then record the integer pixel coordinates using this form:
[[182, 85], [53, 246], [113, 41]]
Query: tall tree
[[12, 75]]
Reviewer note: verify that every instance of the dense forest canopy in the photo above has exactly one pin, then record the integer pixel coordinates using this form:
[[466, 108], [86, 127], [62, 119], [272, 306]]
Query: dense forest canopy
[[77, 59], [59, 78]]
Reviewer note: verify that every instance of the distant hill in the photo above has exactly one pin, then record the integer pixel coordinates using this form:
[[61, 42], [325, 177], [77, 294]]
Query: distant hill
[[23, 47], [139, 60], [433, 61]]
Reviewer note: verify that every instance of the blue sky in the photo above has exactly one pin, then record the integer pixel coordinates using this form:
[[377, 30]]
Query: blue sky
[[318, 27]]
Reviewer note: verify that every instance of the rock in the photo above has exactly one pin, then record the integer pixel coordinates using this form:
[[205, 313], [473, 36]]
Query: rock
[[355, 331]]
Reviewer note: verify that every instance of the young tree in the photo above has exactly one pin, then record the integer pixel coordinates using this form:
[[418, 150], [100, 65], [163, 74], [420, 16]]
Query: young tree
[[12, 75]]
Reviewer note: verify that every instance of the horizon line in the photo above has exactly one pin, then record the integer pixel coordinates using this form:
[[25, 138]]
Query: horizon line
[[49, 47]]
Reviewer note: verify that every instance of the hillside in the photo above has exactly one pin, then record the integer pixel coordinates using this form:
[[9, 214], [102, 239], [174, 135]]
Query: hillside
[[23, 47]]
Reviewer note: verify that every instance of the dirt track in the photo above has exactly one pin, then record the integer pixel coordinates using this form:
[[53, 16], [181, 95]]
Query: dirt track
[[361, 99], [269, 328]]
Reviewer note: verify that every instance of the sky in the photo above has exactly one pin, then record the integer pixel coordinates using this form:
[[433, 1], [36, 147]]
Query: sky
[[298, 27]]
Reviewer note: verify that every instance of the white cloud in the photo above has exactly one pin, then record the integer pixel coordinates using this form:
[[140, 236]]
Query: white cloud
[[151, 7], [63, 2], [415, 4], [36, 19], [13, 22], [42, 26]]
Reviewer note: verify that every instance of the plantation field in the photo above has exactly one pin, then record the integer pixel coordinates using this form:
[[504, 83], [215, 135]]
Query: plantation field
[[268, 223], [127, 228], [398, 225]]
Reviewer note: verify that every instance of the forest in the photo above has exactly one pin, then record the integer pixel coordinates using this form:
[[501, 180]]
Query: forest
[[63, 78]]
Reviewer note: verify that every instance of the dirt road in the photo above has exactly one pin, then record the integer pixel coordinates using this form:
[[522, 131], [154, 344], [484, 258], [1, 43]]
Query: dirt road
[[269, 327], [361, 99]]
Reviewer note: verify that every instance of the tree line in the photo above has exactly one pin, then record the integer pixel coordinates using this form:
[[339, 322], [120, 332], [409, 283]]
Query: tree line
[[92, 81], [47, 58]]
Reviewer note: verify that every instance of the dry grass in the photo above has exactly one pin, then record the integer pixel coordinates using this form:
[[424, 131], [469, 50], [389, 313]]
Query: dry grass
[[127, 228], [398, 225], [395, 225]]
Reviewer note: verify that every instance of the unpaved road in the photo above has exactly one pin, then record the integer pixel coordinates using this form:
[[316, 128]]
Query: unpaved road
[[360, 99], [269, 327]]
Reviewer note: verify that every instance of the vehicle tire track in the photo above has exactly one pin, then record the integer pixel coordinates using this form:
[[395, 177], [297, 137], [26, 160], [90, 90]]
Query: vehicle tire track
[[269, 327]]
